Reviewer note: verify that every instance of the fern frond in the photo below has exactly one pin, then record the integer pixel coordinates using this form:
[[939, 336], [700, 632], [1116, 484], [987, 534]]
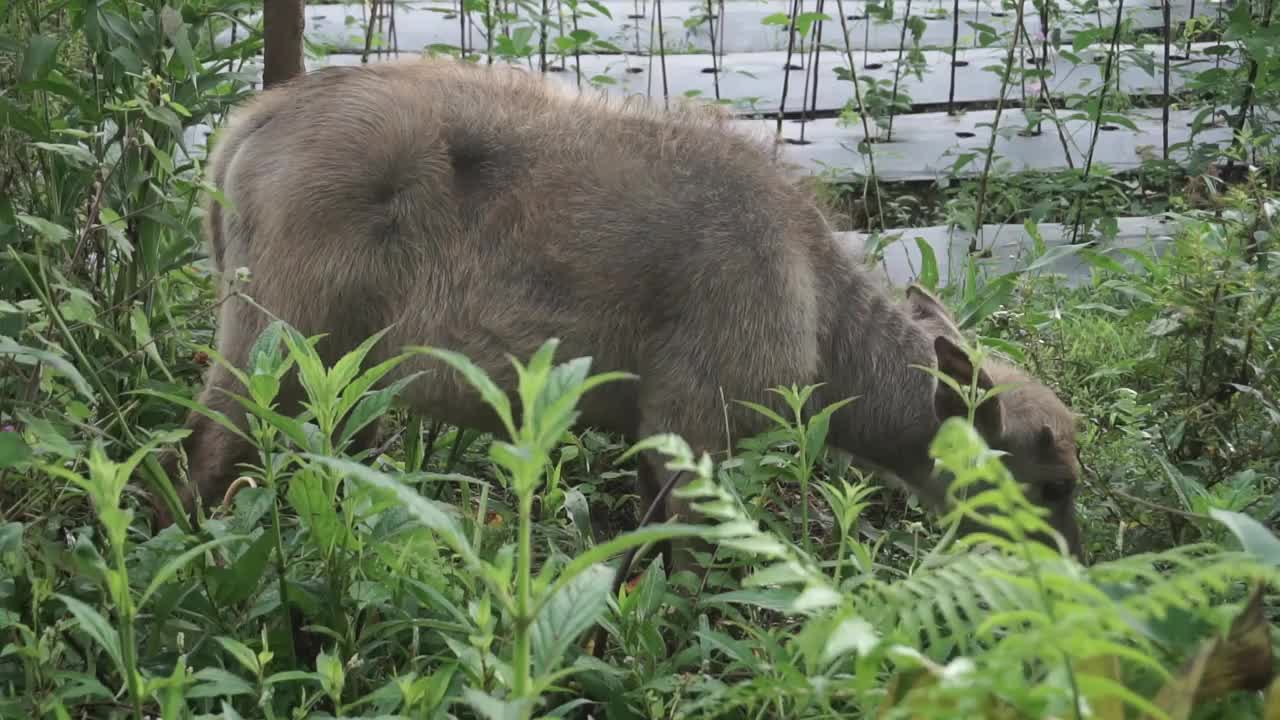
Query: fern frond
[[955, 596]]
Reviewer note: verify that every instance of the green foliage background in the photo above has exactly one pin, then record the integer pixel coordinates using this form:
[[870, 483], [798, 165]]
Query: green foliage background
[[461, 574]]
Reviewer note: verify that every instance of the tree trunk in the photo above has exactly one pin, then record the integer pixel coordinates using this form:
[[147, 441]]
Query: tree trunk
[[282, 24]]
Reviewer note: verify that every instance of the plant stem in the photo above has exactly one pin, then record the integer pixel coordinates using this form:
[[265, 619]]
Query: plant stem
[[1246, 103], [542, 38], [524, 601], [662, 54], [1097, 120], [803, 442], [995, 126], [955, 41], [128, 632], [1046, 98], [786, 64], [488, 31], [715, 66], [269, 479], [897, 71], [155, 472], [1164, 109], [862, 113]]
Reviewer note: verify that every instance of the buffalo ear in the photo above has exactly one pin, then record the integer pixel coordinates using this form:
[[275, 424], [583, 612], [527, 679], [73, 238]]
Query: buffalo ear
[[954, 362], [927, 309], [1045, 441]]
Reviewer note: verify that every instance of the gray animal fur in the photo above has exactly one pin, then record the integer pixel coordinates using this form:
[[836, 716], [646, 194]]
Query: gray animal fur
[[483, 210]]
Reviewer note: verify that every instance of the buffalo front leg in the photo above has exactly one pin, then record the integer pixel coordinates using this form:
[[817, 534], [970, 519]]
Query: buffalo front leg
[[213, 452]]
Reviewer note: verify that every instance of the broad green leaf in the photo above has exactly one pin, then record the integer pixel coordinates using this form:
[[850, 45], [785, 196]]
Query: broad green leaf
[[266, 356], [176, 30], [332, 676], [1087, 37], [250, 505], [241, 652], [641, 536], [776, 599], [346, 369], [560, 414], [492, 708], [354, 391], [1103, 262], [315, 509], [13, 449], [490, 392], [985, 301], [182, 43], [263, 388], [1253, 535], [311, 371], [216, 682], [928, 276], [96, 626], [166, 117], [765, 411], [1122, 121], [653, 588], [572, 610], [369, 593], [47, 229], [559, 382], [1033, 232], [239, 581], [39, 57], [80, 687], [291, 676], [1054, 254], [579, 511], [11, 538], [77, 155], [601, 8], [194, 406], [820, 425], [371, 407], [533, 377], [291, 427], [172, 567], [141, 327], [431, 514], [738, 650]]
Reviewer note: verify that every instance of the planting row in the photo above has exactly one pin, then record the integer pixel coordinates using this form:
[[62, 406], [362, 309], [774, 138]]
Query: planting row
[[928, 146], [924, 146], [756, 82], [739, 26], [1009, 247]]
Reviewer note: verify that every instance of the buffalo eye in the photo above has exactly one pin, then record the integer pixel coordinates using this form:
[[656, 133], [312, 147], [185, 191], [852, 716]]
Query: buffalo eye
[[1057, 489]]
